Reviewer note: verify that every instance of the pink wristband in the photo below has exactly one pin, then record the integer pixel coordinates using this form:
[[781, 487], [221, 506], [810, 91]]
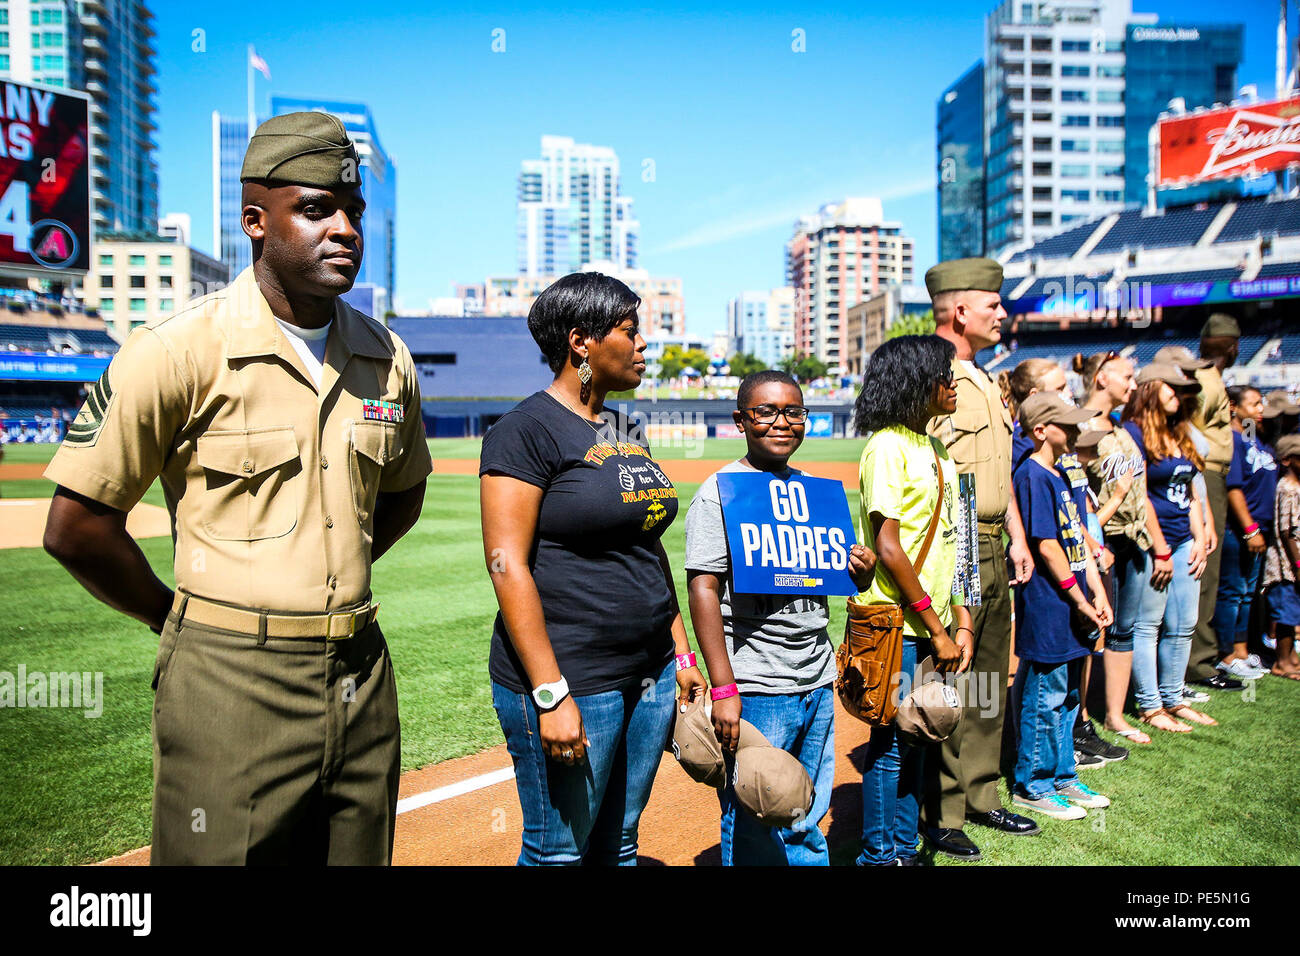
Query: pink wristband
[[685, 660], [722, 693], [1251, 529], [1068, 583], [921, 605]]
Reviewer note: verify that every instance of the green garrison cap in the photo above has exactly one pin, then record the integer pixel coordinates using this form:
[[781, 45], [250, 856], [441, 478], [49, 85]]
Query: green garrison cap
[[957, 275], [308, 149], [1220, 323]]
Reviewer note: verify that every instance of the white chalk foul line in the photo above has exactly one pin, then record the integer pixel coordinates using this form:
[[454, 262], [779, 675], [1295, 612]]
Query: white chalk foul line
[[418, 800]]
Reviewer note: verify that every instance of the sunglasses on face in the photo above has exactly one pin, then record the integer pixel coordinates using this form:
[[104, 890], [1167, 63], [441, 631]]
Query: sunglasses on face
[[767, 414]]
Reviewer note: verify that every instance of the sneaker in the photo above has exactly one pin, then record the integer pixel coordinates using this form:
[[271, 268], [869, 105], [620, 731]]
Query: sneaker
[[1083, 796], [1240, 670], [1084, 760], [1219, 681], [1254, 661], [1269, 642], [1053, 805], [1193, 696], [1088, 741]]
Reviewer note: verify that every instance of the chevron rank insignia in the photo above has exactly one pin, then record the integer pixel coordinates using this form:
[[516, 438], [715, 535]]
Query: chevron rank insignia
[[84, 430], [382, 411]]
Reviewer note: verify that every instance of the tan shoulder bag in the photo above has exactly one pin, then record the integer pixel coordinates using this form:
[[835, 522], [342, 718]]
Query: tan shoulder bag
[[870, 659]]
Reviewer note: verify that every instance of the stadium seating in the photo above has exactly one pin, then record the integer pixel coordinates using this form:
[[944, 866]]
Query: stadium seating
[[93, 340], [1288, 352], [1275, 269], [1062, 245], [1187, 278], [24, 338], [1175, 227], [1259, 217]]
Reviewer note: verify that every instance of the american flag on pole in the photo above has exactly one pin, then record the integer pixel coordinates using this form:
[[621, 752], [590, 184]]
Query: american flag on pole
[[257, 63]]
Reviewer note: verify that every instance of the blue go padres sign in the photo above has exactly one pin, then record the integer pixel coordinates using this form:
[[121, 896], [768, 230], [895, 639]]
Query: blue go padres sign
[[787, 536]]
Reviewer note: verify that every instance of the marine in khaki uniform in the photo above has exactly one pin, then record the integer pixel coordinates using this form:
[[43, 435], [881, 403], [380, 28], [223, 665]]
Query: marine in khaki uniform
[[285, 428], [968, 312], [1220, 342]]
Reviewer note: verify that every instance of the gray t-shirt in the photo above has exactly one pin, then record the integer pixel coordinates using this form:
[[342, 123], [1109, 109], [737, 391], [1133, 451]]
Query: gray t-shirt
[[778, 643]]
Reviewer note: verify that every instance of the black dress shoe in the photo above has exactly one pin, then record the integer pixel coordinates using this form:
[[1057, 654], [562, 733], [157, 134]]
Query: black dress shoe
[[1219, 682], [953, 843], [1006, 821]]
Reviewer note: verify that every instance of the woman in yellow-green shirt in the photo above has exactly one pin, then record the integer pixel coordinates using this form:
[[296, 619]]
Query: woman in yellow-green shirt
[[907, 382]]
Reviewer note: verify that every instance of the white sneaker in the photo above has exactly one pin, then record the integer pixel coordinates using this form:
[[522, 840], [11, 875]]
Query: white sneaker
[[1082, 795], [1269, 642], [1241, 670], [1053, 805], [1254, 661], [1193, 696]]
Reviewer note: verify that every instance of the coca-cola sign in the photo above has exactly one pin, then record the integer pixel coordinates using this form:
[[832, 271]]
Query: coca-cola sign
[[1228, 143]]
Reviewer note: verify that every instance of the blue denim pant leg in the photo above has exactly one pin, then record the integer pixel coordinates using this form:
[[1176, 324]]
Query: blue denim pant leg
[[590, 811], [1043, 692], [1066, 770], [802, 724], [1238, 581], [891, 787], [1142, 609], [1179, 624]]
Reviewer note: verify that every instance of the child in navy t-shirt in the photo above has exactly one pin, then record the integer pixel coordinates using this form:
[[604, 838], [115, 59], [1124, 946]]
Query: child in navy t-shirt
[[1058, 613]]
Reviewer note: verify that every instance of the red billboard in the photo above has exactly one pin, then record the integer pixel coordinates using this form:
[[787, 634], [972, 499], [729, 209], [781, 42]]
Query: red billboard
[[1228, 143], [44, 180]]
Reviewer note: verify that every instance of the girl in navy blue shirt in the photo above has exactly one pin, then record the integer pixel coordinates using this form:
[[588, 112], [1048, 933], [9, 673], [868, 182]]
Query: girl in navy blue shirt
[[1252, 482], [1154, 418]]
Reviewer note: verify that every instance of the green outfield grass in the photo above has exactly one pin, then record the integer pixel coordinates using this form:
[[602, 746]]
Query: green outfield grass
[[78, 789], [706, 449]]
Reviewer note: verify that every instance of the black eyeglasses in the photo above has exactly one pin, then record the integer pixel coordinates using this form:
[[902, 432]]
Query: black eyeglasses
[[766, 414]]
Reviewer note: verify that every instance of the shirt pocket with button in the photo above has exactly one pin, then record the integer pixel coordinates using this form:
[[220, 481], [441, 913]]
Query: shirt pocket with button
[[374, 445], [252, 479], [971, 437]]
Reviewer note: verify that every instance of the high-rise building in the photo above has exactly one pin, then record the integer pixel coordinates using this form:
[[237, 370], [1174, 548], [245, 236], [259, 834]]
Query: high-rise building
[[761, 324], [571, 211], [960, 135], [662, 310], [1071, 88], [104, 47], [137, 280], [378, 186], [836, 259], [1197, 64]]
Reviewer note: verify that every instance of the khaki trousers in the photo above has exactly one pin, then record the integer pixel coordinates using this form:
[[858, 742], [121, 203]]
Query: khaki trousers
[[281, 752], [963, 774]]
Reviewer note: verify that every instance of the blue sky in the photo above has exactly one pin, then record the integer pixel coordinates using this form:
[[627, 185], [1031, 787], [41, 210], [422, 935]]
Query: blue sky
[[745, 135]]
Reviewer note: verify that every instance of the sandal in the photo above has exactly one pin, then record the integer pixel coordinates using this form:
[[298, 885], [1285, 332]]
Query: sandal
[[1292, 675], [1178, 728], [1185, 712], [1131, 733]]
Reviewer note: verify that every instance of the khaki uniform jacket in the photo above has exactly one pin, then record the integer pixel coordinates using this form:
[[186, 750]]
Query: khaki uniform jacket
[[1214, 419], [978, 437], [271, 485]]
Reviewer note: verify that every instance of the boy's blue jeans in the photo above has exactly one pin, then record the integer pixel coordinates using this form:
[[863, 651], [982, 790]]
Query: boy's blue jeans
[[1239, 574], [1049, 705], [590, 812], [803, 724]]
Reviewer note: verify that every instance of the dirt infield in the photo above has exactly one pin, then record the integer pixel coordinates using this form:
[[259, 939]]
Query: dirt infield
[[22, 521], [20, 472], [679, 828], [688, 471]]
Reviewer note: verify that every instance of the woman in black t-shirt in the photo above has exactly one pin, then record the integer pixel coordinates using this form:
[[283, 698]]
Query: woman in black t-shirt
[[589, 650]]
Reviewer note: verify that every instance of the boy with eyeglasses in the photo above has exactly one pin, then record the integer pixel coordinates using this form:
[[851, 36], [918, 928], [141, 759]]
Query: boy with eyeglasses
[[769, 657]]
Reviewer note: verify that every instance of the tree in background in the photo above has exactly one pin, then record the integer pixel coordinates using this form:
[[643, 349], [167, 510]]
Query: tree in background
[[676, 359], [920, 323], [805, 368], [742, 364]]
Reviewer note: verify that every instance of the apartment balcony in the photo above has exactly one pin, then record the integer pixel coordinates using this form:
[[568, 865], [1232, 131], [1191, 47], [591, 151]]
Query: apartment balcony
[[94, 6], [92, 44], [94, 65], [91, 24], [95, 88]]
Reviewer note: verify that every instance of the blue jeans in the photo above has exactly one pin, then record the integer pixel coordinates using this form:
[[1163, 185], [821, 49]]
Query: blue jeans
[[803, 724], [892, 785], [1049, 706], [589, 813], [1160, 659], [1239, 574]]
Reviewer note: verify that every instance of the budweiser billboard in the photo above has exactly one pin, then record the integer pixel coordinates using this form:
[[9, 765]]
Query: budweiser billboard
[[44, 180], [1227, 143]]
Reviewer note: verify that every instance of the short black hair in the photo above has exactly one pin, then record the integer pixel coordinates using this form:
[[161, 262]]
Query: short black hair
[[765, 377], [591, 302], [898, 382], [1237, 392]]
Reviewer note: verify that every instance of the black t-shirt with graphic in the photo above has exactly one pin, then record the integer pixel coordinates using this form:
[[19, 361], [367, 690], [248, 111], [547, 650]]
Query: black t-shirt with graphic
[[605, 504]]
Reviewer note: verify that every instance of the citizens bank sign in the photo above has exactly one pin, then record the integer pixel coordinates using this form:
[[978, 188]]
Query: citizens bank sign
[[1228, 143]]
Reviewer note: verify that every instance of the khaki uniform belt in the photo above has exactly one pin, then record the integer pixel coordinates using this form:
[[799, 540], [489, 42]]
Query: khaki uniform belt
[[331, 626], [990, 527]]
